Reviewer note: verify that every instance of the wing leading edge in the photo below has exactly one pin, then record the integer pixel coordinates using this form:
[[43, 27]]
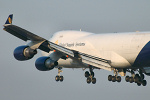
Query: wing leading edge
[[20, 32]]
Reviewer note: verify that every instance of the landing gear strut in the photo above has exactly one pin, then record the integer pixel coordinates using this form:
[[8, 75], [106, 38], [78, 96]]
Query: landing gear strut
[[90, 76], [59, 77]]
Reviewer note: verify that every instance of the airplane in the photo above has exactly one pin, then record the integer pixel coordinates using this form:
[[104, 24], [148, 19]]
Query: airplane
[[117, 52]]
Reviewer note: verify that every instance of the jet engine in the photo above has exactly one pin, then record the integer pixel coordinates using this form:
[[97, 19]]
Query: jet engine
[[22, 53], [45, 63]]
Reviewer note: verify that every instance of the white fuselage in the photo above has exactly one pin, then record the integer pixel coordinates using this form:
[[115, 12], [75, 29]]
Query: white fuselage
[[121, 48]]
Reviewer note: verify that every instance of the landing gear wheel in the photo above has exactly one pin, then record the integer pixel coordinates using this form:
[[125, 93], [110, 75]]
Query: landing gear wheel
[[110, 78], [127, 78], [144, 83], [61, 78], [139, 84], [136, 78], [137, 75], [131, 80], [118, 78], [142, 76], [86, 74], [57, 78], [113, 78], [93, 80], [88, 80]]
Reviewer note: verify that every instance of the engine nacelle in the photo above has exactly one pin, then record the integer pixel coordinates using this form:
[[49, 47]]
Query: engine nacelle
[[22, 53], [45, 64]]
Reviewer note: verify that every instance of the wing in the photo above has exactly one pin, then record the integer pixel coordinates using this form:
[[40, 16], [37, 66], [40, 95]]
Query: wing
[[46, 46]]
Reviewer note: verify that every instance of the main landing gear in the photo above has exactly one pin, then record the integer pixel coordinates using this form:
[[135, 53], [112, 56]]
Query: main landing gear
[[114, 78], [134, 78], [59, 77], [137, 78], [90, 76]]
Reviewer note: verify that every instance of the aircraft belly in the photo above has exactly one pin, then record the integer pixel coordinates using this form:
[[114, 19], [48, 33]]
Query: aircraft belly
[[69, 63]]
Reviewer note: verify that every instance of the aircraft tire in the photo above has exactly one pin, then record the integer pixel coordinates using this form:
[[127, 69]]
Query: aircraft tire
[[118, 78], [136, 79], [88, 80], [138, 84], [144, 82], [131, 80], [86, 74], [93, 80], [142, 76], [61, 78], [113, 78], [57, 78], [110, 78], [127, 78]]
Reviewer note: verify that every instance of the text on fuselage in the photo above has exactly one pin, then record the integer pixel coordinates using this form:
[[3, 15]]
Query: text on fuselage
[[72, 44]]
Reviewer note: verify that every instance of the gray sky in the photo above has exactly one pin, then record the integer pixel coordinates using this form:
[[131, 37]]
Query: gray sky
[[22, 81]]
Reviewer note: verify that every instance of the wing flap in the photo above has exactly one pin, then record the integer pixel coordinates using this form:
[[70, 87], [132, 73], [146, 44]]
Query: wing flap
[[101, 66], [96, 63]]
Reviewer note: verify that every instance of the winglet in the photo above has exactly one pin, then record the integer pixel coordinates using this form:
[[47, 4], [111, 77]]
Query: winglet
[[9, 19]]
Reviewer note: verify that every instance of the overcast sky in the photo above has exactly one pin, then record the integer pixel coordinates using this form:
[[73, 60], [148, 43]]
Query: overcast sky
[[22, 81]]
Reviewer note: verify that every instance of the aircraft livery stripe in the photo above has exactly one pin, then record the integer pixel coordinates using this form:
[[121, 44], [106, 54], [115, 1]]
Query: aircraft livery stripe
[[143, 58]]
